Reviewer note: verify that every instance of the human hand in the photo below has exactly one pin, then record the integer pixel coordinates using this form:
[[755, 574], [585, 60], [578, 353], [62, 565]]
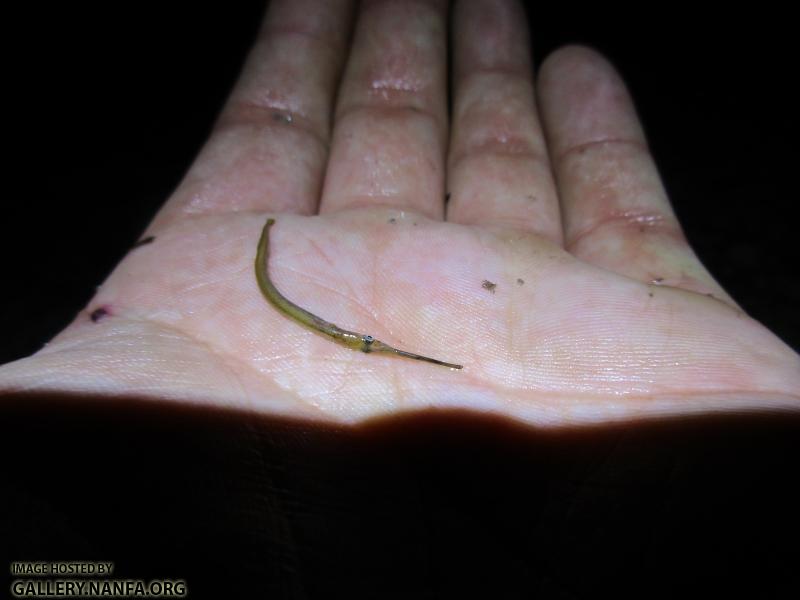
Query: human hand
[[600, 310]]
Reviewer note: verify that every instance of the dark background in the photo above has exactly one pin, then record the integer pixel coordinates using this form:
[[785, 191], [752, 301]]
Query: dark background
[[110, 105], [107, 109]]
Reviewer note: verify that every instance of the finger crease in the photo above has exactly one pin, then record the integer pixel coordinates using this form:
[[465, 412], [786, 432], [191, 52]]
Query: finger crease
[[270, 33], [241, 112], [601, 144], [510, 73], [381, 110], [499, 148], [644, 222]]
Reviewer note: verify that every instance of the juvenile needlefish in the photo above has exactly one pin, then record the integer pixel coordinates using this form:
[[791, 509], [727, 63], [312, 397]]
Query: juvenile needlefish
[[356, 341]]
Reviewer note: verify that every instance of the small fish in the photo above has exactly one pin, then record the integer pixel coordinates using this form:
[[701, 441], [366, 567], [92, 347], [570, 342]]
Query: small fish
[[356, 341]]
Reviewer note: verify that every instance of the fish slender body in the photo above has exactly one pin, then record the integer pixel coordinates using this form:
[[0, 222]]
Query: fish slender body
[[356, 341]]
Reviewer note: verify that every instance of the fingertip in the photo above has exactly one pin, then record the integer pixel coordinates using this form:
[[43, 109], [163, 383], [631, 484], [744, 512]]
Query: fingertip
[[583, 98], [573, 59]]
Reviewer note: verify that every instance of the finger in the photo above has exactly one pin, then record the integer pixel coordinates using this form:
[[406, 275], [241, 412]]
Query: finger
[[498, 169], [389, 134], [615, 210], [269, 147]]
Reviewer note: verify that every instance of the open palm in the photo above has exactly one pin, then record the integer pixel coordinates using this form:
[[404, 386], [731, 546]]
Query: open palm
[[556, 272]]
